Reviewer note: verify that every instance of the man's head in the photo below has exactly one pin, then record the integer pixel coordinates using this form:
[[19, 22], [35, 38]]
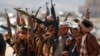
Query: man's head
[[63, 28], [74, 27], [49, 32], [86, 26]]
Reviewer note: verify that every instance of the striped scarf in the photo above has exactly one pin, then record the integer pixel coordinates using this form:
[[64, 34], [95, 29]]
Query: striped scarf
[[83, 51]]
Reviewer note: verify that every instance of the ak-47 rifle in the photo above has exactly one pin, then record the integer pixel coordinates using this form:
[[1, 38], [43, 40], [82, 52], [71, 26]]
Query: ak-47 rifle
[[53, 11], [9, 24], [47, 10], [67, 16], [54, 15], [56, 24], [18, 18], [27, 10], [37, 11], [4, 27], [87, 14], [36, 15], [9, 29]]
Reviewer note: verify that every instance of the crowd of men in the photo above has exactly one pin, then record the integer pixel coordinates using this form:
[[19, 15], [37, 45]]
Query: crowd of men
[[50, 37]]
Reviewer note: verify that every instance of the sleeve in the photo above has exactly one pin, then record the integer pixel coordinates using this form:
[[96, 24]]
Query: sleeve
[[93, 42]]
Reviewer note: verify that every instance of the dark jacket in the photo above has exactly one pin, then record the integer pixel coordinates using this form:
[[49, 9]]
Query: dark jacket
[[2, 46], [92, 45], [74, 52]]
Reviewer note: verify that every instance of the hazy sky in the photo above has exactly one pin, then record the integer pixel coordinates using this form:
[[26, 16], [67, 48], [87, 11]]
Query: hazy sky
[[61, 5]]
